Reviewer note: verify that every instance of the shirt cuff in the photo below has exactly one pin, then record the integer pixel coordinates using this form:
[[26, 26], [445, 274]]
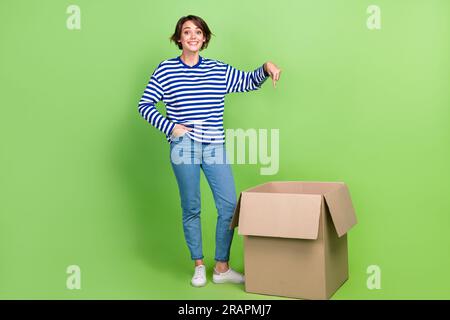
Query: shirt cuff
[[169, 128], [264, 70]]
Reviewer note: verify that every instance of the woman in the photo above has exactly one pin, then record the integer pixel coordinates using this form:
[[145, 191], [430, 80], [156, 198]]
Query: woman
[[193, 89]]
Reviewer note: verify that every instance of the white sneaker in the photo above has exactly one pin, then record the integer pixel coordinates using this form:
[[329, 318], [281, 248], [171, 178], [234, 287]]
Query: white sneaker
[[229, 276], [199, 277]]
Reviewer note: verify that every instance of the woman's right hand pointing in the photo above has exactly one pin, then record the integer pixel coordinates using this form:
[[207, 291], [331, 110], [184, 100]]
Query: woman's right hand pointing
[[273, 71]]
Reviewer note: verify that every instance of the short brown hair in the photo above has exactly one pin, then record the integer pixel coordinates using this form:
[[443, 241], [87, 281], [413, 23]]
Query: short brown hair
[[199, 22]]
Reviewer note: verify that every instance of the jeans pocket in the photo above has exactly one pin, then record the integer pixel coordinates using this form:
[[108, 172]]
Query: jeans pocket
[[177, 139]]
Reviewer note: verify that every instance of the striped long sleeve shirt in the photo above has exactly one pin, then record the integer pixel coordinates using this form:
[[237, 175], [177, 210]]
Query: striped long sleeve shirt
[[194, 96]]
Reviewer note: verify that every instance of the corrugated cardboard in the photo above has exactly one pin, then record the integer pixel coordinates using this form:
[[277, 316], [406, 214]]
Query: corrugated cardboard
[[295, 237]]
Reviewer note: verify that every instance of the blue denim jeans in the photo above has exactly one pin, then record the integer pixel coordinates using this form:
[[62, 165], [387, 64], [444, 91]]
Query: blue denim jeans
[[187, 158]]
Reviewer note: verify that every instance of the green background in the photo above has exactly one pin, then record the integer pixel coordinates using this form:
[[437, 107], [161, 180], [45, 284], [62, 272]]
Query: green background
[[86, 181]]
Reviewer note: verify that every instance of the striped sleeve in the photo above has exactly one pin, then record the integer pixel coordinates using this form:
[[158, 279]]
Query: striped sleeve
[[242, 81], [152, 94]]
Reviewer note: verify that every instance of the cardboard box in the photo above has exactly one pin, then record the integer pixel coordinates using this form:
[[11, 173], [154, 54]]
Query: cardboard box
[[295, 237]]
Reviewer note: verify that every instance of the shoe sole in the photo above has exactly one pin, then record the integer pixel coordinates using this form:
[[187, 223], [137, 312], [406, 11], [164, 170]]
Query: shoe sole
[[226, 281], [198, 285]]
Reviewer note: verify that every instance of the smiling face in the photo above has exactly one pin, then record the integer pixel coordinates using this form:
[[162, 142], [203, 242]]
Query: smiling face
[[192, 37]]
